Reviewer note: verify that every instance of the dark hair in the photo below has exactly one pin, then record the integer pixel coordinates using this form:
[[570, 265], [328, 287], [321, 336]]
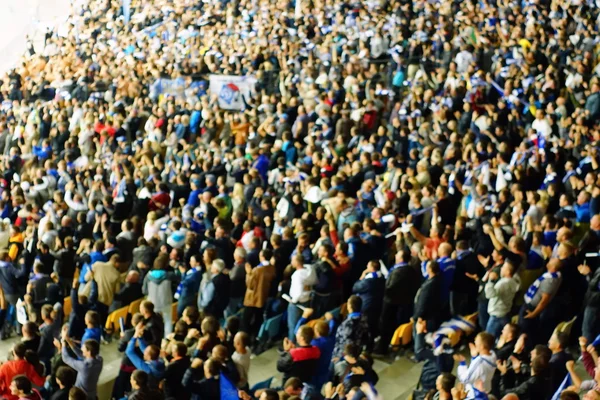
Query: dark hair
[[233, 324], [447, 382], [294, 383], [23, 384], [306, 333], [271, 394], [322, 328], [539, 365], [213, 366], [562, 339], [77, 394], [92, 346], [192, 313], [434, 267], [352, 350], [487, 340], [355, 303], [140, 377], [180, 349], [66, 376], [154, 351], [544, 352], [569, 395]]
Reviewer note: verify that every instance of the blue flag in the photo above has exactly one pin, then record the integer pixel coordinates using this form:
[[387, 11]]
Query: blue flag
[[565, 384], [228, 389]]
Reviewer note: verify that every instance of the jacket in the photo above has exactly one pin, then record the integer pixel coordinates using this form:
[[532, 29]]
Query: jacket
[[157, 286], [428, 299], [154, 329], [8, 277], [88, 370], [501, 295], [128, 293], [435, 362], [155, 368], [258, 284], [402, 285], [370, 290], [173, 376], [77, 316], [188, 288], [299, 362], [64, 263], [201, 388], [12, 368], [220, 299], [145, 394], [108, 279], [355, 330], [534, 388]]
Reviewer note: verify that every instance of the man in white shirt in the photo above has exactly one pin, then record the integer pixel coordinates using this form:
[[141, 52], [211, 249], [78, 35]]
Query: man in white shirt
[[303, 278], [541, 124], [483, 363], [463, 60]]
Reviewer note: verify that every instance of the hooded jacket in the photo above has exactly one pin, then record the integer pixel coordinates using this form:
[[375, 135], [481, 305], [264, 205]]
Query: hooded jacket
[[157, 286]]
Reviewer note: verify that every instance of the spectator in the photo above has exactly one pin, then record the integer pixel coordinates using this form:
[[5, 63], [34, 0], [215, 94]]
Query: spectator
[[21, 365], [141, 388], [88, 364], [304, 278], [215, 297], [174, 372], [65, 379], [258, 285], [483, 364], [203, 383], [128, 293], [500, 293], [370, 288], [158, 289], [427, 299], [354, 329], [21, 387]]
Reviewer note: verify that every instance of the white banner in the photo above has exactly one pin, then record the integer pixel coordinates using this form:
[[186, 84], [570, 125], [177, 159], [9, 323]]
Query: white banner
[[232, 90]]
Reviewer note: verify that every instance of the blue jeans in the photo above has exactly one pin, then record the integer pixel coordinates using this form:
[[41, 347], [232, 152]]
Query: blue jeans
[[495, 325], [293, 316], [483, 316]]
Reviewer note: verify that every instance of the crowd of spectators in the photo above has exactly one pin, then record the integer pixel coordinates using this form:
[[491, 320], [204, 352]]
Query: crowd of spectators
[[414, 161]]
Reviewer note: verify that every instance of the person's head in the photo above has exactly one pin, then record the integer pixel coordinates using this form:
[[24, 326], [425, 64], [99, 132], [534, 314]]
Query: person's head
[[147, 308], [136, 319], [558, 342], [139, 380], [65, 377], [539, 365], [293, 386], [321, 329], [92, 319], [541, 351], [351, 353], [569, 395], [269, 394], [354, 304], [220, 353], [77, 394], [178, 350], [433, 269], [508, 269], [190, 315], [217, 266], [484, 342], [510, 332], [240, 341], [445, 382], [212, 368], [151, 353], [46, 312], [20, 386], [304, 335], [29, 330], [90, 348]]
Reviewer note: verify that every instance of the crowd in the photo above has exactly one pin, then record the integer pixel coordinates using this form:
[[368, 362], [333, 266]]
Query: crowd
[[416, 162]]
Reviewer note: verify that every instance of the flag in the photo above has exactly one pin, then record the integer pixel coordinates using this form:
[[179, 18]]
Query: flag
[[565, 384], [228, 389]]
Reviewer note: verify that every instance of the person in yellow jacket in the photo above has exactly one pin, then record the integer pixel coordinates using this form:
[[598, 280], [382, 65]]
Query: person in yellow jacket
[[15, 243]]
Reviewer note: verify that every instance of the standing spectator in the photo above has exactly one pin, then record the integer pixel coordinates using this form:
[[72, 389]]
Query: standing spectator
[[299, 361], [157, 287], [483, 363], [151, 362], [500, 293], [401, 287], [88, 364], [203, 383], [303, 279], [370, 288], [106, 275], [174, 372], [354, 329], [122, 383], [188, 286], [427, 300], [215, 297], [153, 323], [258, 285]]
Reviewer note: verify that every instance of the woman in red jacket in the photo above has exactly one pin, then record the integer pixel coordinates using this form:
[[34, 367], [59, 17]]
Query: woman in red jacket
[[18, 366]]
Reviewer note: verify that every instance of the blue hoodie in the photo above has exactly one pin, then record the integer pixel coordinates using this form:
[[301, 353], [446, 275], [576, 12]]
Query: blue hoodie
[[155, 368]]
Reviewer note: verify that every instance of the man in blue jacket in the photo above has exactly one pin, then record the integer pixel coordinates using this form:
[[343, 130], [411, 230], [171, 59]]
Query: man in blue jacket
[[9, 276], [150, 362], [189, 285], [370, 288]]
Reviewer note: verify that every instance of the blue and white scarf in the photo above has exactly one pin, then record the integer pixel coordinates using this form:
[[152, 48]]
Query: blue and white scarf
[[533, 289], [373, 275]]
